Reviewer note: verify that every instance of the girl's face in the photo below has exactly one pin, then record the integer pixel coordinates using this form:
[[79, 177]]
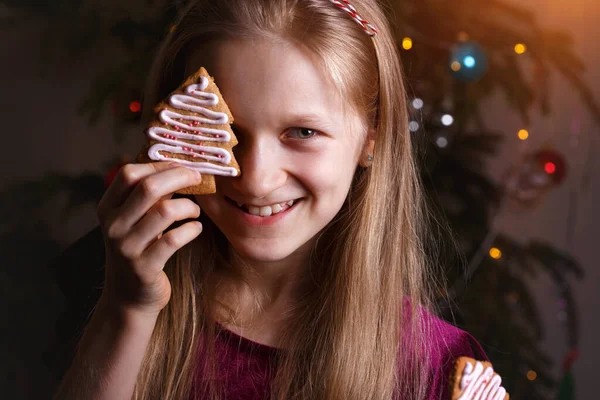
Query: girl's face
[[295, 145]]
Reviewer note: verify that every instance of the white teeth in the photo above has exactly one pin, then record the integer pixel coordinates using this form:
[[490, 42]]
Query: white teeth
[[239, 204], [266, 211]]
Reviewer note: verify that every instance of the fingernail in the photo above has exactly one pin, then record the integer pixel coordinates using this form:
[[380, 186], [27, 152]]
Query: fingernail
[[198, 176], [174, 165]]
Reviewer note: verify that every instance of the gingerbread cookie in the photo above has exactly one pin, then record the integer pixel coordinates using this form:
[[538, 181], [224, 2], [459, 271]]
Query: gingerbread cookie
[[472, 379], [192, 127]]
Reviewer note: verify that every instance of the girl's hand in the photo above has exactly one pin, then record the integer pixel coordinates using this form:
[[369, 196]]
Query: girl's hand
[[134, 213]]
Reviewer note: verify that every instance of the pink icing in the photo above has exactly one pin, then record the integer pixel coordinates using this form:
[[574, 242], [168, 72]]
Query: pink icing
[[186, 127], [478, 383]]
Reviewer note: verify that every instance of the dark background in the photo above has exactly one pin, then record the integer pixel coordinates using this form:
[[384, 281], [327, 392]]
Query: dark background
[[42, 132]]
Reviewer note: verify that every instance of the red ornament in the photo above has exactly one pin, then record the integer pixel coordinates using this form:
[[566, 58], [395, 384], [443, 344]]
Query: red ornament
[[534, 175], [553, 163], [135, 106], [126, 105], [550, 167]]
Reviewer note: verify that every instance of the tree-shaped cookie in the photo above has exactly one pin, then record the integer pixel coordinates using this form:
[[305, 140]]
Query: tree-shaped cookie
[[192, 127], [475, 380]]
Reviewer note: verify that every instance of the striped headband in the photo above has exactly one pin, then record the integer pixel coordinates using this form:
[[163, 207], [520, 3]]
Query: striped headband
[[347, 7]]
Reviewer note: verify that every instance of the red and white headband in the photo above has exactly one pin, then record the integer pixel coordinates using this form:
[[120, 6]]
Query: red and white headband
[[347, 7]]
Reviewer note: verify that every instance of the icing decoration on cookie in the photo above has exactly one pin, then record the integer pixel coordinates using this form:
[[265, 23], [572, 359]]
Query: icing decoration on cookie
[[478, 383], [181, 126]]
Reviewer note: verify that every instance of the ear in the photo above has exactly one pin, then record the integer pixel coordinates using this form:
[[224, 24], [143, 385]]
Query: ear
[[367, 150]]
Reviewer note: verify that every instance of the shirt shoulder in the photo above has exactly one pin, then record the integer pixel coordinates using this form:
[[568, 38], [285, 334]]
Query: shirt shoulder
[[448, 343]]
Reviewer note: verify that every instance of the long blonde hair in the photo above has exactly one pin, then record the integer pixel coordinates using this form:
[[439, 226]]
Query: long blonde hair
[[354, 336]]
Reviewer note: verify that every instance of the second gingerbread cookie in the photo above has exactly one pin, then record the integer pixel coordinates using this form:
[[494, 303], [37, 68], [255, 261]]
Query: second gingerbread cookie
[[192, 127], [475, 380]]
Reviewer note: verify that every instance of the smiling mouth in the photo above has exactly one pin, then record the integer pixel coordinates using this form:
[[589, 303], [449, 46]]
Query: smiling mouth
[[264, 211]]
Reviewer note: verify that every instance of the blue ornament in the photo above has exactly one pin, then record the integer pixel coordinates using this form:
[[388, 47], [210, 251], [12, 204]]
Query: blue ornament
[[468, 61]]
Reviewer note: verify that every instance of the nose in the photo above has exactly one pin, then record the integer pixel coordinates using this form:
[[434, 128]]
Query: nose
[[262, 170]]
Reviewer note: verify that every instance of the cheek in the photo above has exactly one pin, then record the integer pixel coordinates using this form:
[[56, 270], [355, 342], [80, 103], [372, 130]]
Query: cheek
[[329, 177]]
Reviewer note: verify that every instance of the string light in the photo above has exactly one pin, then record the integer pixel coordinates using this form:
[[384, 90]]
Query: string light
[[523, 134], [450, 44], [447, 119], [413, 126], [495, 253], [135, 106], [418, 103], [520, 48], [407, 43], [441, 142], [455, 66], [550, 167], [469, 61], [531, 375]]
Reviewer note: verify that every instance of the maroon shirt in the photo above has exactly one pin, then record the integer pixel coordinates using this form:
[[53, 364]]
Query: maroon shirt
[[245, 367]]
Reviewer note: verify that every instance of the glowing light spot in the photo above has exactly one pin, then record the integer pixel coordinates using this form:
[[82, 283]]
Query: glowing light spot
[[418, 103], [550, 167], [531, 375], [495, 253], [455, 66], [441, 142], [413, 126], [447, 119], [523, 134], [520, 48], [469, 61], [135, 106], [407, 43]]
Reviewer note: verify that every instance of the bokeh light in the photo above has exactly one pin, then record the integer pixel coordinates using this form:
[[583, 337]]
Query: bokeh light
[[550, 167], [413, 126], [469, 61], [520, 48], [441, 142], [447, 119], [523, 134], [495, 253], [418, 103], [135, 106]]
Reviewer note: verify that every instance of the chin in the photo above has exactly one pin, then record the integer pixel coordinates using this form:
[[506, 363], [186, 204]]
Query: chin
[[264, 251]]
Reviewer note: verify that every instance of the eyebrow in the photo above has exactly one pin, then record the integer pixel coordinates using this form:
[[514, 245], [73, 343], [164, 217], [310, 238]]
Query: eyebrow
[[305, 118], [299, 120], [309, 119]]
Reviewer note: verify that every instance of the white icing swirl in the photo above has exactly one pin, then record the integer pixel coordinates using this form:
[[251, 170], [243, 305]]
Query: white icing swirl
[[479, 384], [186, 127]]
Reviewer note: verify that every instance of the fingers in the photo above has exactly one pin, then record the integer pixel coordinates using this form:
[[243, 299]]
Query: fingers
[[150, 190], [157, 220], [134, 214], [170, 242], [127, 178]]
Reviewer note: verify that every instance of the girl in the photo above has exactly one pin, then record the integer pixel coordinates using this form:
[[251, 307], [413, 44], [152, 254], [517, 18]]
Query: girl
[[325, 298]]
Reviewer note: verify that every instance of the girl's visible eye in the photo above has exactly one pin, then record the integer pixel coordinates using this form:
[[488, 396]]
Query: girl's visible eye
[[302, 133]]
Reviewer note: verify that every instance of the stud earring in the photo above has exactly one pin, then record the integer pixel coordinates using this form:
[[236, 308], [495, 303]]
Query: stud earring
[[370, 157]]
